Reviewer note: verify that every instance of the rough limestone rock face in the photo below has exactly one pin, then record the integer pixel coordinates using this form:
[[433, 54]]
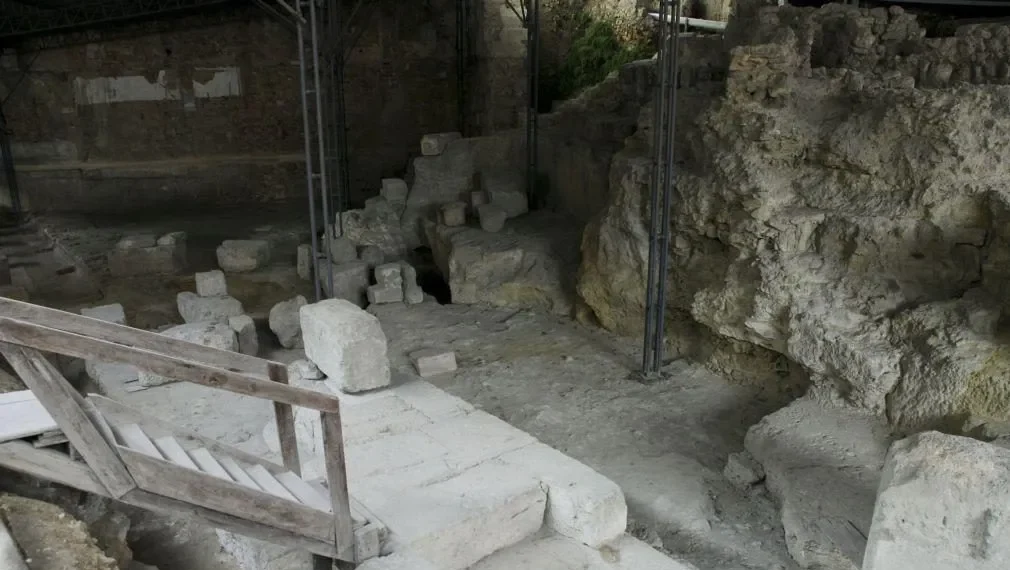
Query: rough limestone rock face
[[835, 202], [530, 265], [217, 335], [942, 504]]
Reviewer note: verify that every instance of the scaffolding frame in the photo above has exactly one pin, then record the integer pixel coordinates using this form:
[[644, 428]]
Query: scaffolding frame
[[664, 180]]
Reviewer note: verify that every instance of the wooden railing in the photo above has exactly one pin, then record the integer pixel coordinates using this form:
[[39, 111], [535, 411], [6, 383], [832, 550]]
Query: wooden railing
[[77, 336]]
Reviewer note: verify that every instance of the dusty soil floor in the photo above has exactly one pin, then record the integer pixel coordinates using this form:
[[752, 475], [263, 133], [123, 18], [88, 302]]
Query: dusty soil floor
[[567, 384]]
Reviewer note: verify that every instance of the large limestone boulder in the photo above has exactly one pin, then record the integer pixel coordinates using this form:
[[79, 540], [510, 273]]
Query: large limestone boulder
[[284, 321], [530, 265], [941, 505], [378, 225], [347, 344]]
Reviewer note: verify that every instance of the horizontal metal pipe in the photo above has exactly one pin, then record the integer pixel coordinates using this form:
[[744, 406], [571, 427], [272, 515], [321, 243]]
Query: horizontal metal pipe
[[713, 25]]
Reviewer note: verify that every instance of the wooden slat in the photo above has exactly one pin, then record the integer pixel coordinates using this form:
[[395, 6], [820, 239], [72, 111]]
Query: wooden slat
[[174, 452], [24, 416], [173, 507], [305, 494], [71, 344], [50, 439], [51, 466], [129, 336], [169, 480], [132, 436], [269, 483], [208, 464], [67, 408], [121, 414], [238, 473], [336, 475], [285, 418]]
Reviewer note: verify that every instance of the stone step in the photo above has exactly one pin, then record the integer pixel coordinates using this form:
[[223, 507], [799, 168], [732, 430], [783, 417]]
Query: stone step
[[560, 553]]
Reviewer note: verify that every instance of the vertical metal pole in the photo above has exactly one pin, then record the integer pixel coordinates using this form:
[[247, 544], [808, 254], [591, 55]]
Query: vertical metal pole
[[670, 181], [658, 126], [321, 139], [460, 115], [340, 122], [309, 174], [10, 173], [533, 75]]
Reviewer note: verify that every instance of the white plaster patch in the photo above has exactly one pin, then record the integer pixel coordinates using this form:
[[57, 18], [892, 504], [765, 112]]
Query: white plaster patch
[[222, 82], [124, 89]]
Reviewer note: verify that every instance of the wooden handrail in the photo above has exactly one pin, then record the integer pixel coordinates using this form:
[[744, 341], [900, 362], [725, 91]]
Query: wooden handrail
[[71, 344], [129, 336]]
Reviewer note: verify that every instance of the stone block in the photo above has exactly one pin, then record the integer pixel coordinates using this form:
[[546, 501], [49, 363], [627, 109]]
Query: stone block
[[214, 335], [342, 250], [434, 144], [371, 255], [394, 190], [242, 255], [432, 402], [581, 503], [284, 322], [555, 552], [476, 199], [743, 471], [381, 294], [245, 334], [347, 344], [457, 522], [412, 292], [303, 369], [113, 313], [433, 361], [173, 238], [304, 264], [197, 309], [139, 241], [389, 274], [110, 376], [350, 281], [453, 214], [942, 504], [477, 437], [492, 218], [397, 561], [505, 189], [211, 284]]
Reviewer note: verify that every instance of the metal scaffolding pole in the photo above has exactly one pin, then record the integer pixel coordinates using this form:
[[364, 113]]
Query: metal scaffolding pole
[[304, 73], [663, 184], [533, 88], [10, 174], [464, 53]]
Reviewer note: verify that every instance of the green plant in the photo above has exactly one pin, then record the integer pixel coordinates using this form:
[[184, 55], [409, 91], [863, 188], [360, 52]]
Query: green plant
[[595, 52]]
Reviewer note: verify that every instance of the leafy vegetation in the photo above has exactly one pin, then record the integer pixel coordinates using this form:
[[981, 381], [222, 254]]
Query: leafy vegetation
[[595, 52]]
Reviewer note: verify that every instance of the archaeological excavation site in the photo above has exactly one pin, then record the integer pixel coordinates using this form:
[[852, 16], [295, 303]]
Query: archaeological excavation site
[[504, 285]]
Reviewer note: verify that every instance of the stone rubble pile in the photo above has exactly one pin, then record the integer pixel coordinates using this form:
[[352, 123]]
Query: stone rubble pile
[[148, 254]]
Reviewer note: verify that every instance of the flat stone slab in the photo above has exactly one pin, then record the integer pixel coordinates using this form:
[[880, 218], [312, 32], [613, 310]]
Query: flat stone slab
[[560, 553], [823, 465], [241, 255], [452, 482]]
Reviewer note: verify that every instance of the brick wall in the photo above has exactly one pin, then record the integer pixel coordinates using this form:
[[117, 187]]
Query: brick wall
[[208, 113]]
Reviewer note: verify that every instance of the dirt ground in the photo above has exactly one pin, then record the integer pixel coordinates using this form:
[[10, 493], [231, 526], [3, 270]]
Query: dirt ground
[[50, 538], [567, 384]]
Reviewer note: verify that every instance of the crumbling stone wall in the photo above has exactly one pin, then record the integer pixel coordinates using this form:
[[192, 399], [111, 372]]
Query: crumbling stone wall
[[837, 206], [207, 109]]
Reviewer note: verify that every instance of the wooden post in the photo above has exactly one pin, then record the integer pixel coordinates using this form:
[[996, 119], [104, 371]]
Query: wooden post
[[66, 406], [336, 474], [285, 418]]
